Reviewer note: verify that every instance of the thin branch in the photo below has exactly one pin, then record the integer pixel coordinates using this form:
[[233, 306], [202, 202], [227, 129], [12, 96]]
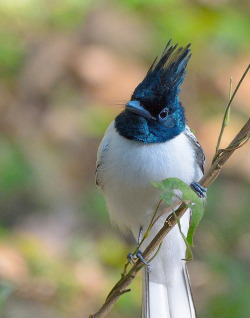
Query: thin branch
[[226, 115], [225, 119], [206, 181]]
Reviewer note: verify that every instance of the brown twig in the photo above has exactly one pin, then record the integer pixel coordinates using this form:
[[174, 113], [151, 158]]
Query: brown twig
[[208, 178]]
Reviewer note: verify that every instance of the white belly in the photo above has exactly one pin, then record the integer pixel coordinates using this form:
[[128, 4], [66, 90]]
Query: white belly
[[128, 168]]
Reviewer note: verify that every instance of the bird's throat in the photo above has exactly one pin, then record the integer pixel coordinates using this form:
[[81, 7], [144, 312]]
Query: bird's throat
[[137, 128]]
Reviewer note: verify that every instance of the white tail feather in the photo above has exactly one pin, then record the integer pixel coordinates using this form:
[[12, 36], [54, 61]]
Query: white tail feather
[[166, 289]]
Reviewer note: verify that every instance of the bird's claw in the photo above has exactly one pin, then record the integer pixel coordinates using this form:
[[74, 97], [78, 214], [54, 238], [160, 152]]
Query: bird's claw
[[131, 258], [200, 190], [139, 255]]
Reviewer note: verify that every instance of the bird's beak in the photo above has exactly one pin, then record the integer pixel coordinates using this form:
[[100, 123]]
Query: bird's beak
[[134, 106]]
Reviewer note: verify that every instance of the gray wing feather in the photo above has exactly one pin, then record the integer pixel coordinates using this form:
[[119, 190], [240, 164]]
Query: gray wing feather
[[199, 153], [103, 148]]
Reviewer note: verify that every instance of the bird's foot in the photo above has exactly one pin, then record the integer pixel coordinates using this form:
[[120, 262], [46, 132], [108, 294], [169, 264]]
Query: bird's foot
[[138, 255], [200, 190], [140, 236]]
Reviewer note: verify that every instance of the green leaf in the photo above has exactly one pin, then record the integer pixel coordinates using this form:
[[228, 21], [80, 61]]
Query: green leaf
[[168, 195], [188, 197], [189, 254]]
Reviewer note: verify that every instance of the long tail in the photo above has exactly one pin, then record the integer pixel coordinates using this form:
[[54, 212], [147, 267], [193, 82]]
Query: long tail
[[166, 289]]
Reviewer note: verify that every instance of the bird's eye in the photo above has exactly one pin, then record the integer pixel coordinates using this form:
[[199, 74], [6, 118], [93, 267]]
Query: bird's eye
[[163, 114]]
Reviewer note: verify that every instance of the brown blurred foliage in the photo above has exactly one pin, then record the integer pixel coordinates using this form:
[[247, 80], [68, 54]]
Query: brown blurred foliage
[[67, 69]]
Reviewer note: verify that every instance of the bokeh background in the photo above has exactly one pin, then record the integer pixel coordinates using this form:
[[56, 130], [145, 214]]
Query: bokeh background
[[67, 67]]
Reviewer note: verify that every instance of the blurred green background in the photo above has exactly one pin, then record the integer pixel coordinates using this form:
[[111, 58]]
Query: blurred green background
[[67, 67]]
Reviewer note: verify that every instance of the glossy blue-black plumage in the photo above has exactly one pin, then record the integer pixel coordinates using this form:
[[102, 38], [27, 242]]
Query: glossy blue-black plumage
[[158, 91]]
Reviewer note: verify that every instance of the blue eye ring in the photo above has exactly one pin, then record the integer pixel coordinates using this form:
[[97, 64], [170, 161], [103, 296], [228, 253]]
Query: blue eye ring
[[163, 114]]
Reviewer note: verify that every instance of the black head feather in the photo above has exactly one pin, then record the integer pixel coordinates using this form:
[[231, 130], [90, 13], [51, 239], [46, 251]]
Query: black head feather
[[161, 86]]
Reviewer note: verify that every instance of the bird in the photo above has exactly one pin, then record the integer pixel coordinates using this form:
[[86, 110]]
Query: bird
[[151, 141]]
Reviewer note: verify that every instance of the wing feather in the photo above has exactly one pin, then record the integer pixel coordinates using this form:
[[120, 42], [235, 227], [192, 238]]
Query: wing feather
[[102, 150], [199, 153]]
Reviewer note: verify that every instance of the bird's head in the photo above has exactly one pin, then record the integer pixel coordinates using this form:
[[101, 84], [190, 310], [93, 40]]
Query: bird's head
[[154, 113]]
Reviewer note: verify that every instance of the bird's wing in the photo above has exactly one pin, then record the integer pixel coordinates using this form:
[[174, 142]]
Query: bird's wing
[[199, 153], [102, 150]]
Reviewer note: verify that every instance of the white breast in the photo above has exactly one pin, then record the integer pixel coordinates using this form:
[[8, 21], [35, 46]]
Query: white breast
[[128, 167]]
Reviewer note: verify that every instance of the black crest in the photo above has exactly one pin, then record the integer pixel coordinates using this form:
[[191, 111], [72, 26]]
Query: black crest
[[161, 85]]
